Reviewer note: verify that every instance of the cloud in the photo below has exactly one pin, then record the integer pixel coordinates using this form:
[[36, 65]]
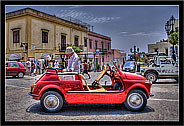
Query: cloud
[[123, 32], [84, 16], [141, 34]]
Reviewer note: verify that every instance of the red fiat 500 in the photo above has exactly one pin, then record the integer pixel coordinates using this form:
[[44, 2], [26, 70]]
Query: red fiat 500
[[53, 88], [14, 68]]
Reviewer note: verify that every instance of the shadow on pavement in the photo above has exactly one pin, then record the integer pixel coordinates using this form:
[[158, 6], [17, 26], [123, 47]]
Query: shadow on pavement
[[9, 77], [87, 110]]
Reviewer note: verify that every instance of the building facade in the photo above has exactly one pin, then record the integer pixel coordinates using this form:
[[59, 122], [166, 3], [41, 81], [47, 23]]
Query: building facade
[[163, 48], [99, 49], [41, 33], [118, 57]]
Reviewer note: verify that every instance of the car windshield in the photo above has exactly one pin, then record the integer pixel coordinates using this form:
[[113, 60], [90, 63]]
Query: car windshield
[[129, 64]]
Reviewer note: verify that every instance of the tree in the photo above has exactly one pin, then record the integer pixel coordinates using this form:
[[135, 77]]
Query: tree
[[174, 39], [76, 49]]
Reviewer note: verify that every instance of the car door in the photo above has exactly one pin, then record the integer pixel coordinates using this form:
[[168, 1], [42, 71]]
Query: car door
[[13, 68], [167, 68]]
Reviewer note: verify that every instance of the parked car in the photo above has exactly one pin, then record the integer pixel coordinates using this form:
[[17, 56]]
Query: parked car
[[14, 68], [54, 88], [129, 66]]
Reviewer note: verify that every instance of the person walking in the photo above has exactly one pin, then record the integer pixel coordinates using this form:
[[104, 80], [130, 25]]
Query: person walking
[[38, 67], [73, 61], [56, 64], [33, 67], [29, 67], [85, 71]]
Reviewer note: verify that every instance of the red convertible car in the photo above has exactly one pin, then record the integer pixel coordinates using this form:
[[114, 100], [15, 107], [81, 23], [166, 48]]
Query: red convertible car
[[54, 88]]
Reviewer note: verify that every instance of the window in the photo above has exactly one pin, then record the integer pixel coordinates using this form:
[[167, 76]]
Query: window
[[102, 47], [108, 46], [76, 43], [16, 36], [85, 42], [166, 52], [12, 64], [102, 58], [63, 42], [44, 37], [90, 44], [96, 45], [165, 61]]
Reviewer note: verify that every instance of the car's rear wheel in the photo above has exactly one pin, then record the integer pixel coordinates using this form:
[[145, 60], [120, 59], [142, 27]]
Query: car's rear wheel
[[151, 77], [51, 101], [20, 74], [136, 100]]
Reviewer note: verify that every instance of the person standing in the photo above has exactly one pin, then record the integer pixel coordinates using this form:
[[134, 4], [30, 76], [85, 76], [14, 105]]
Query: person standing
[[56, 64], [73, 61], [29, 67], [86, 69], [33, 67]]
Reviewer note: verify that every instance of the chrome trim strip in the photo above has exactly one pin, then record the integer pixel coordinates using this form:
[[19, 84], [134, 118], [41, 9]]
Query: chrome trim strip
[[119, 91]]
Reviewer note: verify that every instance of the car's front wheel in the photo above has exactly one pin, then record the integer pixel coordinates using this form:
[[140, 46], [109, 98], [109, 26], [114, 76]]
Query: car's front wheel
[[136, 100], [51, 101], [20, 74]]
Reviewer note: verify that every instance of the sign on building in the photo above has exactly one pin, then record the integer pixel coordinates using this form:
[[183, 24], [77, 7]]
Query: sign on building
[[97, 52]]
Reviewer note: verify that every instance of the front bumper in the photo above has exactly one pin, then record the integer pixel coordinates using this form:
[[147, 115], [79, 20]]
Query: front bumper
[[34, 95]]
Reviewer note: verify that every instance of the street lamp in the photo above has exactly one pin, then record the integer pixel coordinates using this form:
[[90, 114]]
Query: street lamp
[[135, 51], [169, 26]]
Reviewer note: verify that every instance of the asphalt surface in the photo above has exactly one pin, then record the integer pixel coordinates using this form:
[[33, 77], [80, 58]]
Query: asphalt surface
[[19, 106]]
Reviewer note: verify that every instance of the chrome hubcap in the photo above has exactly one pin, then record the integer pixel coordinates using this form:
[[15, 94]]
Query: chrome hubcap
[[21, 74], [135, 100], [151, 78], [51, 102]]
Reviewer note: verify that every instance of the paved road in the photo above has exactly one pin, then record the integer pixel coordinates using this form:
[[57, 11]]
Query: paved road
[[21, 107]]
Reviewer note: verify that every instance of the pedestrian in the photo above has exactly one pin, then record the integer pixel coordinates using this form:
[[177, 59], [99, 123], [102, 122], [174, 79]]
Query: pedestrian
[[35, 70], [89, 67], [85, 71], [56, 64], [122, 66], [28, 67], [33, 67], [38, 67], [73, 61]]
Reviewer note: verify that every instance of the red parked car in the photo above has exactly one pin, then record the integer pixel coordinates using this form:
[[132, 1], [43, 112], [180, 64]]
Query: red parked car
[[53, 89], [14, 68]]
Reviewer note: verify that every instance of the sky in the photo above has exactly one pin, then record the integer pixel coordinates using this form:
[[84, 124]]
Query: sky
[[126, 25]]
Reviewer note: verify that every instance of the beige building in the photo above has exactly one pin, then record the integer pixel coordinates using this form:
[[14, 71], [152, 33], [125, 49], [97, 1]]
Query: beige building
[[41, 33], [163, 47]]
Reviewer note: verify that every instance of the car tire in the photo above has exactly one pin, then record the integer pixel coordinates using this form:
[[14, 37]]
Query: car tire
[[20, 74], [151, 77], [51, 101], [136, 100]]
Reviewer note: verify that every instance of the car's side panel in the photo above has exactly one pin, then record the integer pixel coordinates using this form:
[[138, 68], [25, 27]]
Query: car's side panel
[[95, 97], [51, 86], [134, 84]]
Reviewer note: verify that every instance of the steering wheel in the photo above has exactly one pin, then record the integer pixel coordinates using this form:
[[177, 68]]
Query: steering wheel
[[94, 84]]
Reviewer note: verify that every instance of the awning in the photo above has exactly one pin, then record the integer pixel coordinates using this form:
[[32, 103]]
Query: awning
[[15, 56], [46, 57]]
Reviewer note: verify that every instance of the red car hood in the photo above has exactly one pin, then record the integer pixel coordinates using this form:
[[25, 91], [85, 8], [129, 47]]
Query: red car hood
[[133, 76]]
